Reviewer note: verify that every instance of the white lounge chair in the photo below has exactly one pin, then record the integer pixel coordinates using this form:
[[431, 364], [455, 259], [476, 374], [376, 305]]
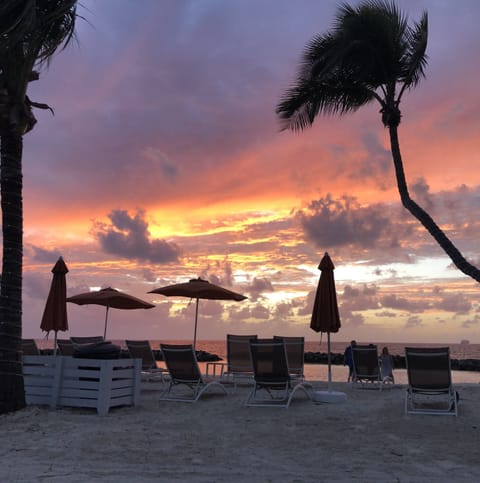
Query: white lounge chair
[[238, 368], [273, 385], [141, 349], [430, 389], [366, 367], [186, 381]]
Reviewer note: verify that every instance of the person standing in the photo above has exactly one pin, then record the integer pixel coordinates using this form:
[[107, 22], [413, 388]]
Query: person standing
[[386, 366], [348, 360]]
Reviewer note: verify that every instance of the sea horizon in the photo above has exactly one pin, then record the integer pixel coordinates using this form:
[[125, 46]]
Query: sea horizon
[[462, 350]]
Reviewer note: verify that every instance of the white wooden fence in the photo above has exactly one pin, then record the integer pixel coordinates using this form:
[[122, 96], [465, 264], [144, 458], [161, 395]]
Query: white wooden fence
[[93, 383]]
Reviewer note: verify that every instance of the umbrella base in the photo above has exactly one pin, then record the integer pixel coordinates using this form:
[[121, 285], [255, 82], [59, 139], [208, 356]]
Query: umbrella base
[[329, 397]]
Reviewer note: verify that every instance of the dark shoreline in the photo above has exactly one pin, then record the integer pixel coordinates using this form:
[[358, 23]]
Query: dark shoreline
[[472, 365]]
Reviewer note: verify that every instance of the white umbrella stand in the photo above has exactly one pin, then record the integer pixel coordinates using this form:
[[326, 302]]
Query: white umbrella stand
[[329, 396]]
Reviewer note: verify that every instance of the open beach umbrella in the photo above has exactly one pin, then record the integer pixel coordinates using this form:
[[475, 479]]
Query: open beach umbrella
[[55, 312], [198, 288], [110, 297], [325, 316]]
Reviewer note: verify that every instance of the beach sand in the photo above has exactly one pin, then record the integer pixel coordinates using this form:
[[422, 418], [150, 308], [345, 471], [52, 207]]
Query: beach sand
[[367, 438]]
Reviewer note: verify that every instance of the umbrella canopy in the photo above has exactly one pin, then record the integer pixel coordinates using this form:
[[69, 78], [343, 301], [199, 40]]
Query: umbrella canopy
[[325, 316], [198, 288], [55, 312], [110, 297]]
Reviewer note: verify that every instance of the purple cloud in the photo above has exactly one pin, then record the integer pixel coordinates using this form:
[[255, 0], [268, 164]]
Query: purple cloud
[[128, 237]]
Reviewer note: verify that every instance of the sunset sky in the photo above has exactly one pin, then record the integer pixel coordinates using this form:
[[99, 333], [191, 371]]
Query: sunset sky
[[164, 161]]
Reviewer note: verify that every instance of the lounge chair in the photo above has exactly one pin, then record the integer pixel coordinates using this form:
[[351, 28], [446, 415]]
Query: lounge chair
[[87, 340], [239, 360], [30, 348], [295, 347], [430, 389], [141, 349], [366, 367], [184, 372], [65, 347], [238, 368], [272, 381]]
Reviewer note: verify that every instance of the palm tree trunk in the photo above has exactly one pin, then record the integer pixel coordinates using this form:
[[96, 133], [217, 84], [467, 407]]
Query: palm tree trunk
[[12, 396], [422, 216]]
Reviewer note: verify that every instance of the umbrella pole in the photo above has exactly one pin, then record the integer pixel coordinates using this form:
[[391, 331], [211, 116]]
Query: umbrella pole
[[195, 330], [55, 343], [329, 396], [106, 321], [329, 363]]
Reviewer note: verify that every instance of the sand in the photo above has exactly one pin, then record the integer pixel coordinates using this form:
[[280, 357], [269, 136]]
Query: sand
[[367, 438]]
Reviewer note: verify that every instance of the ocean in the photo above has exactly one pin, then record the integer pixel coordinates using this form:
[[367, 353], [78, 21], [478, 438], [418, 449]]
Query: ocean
[[319, 372], [457, 351]]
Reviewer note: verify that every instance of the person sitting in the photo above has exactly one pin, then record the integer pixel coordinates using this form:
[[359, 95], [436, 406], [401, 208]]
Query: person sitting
[[386, 366], [348, 360]]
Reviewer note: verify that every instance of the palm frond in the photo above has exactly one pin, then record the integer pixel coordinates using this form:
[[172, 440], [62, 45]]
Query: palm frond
[[301, 104], [373, 32], [31, 31], [416, 59], [365, 55]]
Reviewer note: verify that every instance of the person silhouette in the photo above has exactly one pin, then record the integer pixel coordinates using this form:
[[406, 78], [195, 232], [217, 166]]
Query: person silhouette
[[348, 359], [386, 366]]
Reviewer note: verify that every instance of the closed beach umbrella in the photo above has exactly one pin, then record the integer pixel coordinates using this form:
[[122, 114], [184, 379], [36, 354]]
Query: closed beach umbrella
[[110, 297], [325, 316], [55, 312], [198, 288]]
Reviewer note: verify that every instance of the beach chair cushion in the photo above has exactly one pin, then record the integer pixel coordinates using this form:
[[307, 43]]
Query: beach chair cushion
[[97, 350]]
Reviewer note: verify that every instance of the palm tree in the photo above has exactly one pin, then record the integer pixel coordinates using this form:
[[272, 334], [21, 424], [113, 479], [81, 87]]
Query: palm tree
[[370, 54], [30, 33]]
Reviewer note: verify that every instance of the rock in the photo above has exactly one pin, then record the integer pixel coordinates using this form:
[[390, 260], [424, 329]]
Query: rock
[[398, 361]]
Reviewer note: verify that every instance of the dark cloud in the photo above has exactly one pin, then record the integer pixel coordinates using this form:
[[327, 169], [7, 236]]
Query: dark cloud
[[219, 273], [457, 303], [306, 309], [358, 299], [421, 194], [349, 318], [344, 222], [283, 310], [386, 313], [413, 322], [43, 255], [257, 287], [149, 275], [162, 164], [260, 312], [128, 237], [392, 301]]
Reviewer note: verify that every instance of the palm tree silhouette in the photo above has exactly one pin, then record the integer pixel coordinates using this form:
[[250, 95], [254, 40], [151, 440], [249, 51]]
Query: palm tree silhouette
[[370, 54], [30, 33]]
